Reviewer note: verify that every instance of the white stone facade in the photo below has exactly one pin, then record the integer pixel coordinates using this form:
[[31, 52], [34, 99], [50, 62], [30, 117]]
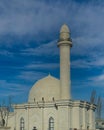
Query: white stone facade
[[49, 105], [67, 114]]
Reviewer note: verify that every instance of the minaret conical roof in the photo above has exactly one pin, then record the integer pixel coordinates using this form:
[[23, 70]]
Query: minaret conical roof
[[64, 29]]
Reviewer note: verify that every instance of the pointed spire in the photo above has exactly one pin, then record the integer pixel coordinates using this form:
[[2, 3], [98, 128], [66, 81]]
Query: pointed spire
[[64, 29], [64, 36]]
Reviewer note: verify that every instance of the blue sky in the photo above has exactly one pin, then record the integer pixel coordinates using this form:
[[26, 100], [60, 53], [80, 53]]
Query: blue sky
[[29, 30]]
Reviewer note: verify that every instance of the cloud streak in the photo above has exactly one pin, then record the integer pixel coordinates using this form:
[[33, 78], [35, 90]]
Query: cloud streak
[[30, 30], [10, 88], [42, 16], [17, 15], [45, 49], [88, 63], [30, 76]]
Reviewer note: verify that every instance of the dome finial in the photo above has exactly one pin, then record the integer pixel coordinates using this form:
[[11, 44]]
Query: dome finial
[[49, 74]]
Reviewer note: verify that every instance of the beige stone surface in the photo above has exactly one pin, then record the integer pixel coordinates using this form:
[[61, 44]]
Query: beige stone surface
[[64, 45], [5, 128], [68, 114], [46, 88]]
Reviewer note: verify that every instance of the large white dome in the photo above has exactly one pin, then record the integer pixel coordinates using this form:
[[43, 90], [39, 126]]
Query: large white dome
[[46, 88]]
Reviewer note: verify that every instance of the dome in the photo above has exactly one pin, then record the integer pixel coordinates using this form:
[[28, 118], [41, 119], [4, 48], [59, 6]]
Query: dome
[[46, 88]]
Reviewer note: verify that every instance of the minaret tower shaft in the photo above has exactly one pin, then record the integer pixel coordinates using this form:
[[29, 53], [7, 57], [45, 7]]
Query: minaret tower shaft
[[64, 44]]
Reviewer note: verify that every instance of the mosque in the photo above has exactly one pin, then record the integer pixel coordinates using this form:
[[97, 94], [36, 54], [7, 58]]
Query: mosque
[[50, 106]]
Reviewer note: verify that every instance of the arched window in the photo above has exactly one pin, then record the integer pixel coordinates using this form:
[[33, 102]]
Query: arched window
[[51, 123], [22, 124]]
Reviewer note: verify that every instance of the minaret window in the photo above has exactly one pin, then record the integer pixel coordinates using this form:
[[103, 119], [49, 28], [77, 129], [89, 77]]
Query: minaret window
[[22, 124], [51, 123]]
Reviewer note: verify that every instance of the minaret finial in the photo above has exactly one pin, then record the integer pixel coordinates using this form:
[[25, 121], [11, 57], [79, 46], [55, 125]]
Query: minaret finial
[[64, 29], [64, 35]]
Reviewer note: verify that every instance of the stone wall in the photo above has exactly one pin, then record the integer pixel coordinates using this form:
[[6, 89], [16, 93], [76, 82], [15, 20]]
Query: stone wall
[[4, 128]]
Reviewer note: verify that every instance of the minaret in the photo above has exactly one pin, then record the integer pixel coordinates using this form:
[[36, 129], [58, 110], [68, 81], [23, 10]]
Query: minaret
[[64, 44]]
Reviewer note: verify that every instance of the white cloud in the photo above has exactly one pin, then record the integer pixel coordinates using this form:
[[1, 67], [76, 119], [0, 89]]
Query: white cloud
[[34, 18], [99, 61], [10, 88], [96, 61], [22, 17], [80, 64], [42, 66], [6, 53], [29, 16], [99, 78], [31, 76], [49, 48], [96, 82]]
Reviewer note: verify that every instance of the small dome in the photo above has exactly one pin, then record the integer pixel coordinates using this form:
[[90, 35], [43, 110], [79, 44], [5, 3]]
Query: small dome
[[64, 29], [46, 88]]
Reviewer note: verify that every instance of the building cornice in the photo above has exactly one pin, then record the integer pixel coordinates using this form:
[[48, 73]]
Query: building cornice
[[56, 104]]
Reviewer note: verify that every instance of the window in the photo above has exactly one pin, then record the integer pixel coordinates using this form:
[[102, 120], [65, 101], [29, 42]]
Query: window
[[22, 124], [51, 123], [87, 127]]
